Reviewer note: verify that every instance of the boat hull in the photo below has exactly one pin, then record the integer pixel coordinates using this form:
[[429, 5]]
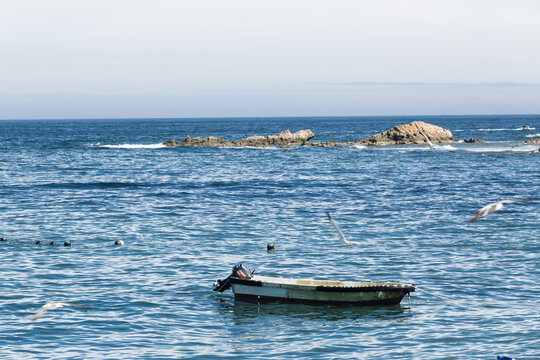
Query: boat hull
[[267, 289]]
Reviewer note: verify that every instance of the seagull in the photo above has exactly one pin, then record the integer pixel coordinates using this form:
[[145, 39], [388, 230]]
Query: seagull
[[49, 306], [494, 207], [341, 236], [431, 145]]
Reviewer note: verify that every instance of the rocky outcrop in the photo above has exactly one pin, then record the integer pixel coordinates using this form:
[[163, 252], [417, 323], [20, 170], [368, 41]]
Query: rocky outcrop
[[209, 141], [533, 141], [473, 140], [410, 134], [284, 139]]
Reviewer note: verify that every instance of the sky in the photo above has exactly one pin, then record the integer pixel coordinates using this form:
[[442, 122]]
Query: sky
[[235, 58]]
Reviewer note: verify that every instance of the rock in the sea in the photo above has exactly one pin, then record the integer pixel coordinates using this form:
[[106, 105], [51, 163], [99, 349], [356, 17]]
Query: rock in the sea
[[533, 141], [284, 139], [254, 141], [210, 141], [410, 134], [473, 140]]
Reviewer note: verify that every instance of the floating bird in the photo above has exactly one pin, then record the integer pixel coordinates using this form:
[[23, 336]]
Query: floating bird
[[39, 242], [341, 236], [48, 306], [119, 242], [3, 239], [494, 207], [67, 243], [270, 247]]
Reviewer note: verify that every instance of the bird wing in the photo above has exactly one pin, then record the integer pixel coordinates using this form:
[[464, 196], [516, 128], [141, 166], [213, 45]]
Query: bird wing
[[425, 136], [483, 212], [427, 139], [49, 306], [341, 236], [475, 217], [517, 200], [494, 207], [40, 313]]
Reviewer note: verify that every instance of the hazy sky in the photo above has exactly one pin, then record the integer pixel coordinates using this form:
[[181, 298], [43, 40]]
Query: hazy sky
[[174, 58]]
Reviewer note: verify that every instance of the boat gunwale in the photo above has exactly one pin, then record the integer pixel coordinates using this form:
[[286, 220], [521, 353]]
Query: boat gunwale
[[322, 285]]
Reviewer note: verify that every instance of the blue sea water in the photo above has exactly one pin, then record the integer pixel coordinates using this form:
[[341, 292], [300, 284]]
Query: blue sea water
[[187, 215]]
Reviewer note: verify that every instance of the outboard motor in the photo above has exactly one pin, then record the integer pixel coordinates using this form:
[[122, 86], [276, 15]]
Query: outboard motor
[[238, 271]]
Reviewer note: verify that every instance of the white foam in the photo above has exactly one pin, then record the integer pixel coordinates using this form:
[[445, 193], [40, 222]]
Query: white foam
[[445, 147], [361, 147], [515, 148], [526, 148], [517, 129], [533, 135], [133, 146], [497, 129]]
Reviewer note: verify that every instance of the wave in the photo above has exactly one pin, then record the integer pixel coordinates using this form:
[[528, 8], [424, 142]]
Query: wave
[[465, 148], [532, 135], [361, 147], [90, 185], [514, 148], [130, 146], [517, 129]]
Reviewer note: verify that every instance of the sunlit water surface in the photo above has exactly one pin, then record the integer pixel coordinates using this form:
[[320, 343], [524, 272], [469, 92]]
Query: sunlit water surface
[[187, 215]]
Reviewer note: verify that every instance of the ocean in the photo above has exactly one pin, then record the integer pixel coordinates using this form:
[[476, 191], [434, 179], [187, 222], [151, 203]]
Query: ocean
[[188, 214]]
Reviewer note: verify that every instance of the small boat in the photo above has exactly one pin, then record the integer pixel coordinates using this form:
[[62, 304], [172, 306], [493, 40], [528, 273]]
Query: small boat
[[247, 286]]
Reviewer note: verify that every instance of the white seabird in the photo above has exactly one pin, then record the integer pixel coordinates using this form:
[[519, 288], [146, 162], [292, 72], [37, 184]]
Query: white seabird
[[48, 306], [341, 236], [431, 145], [494, 207]]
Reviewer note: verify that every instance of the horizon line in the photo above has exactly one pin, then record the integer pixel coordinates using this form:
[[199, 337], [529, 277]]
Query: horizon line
[[268, 117]]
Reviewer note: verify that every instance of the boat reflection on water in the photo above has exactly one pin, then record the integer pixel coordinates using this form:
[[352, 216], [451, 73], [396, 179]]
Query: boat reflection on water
[[243, 312]]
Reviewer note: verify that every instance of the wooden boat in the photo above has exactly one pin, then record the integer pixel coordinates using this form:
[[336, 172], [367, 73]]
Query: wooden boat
[[248, 286]]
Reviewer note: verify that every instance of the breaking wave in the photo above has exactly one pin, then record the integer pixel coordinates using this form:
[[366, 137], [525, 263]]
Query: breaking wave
[[517, 129], [131, 146]]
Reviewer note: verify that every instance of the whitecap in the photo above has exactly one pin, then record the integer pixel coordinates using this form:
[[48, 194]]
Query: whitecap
[[526, 148], [445, 147], [532, 135], [497, 129], [515, 148], [133, 146], [361, 147]]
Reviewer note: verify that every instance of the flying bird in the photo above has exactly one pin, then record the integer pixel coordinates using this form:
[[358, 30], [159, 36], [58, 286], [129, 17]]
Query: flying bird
[[494, 207], [341, 236], [49, 306], [431, 146]]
